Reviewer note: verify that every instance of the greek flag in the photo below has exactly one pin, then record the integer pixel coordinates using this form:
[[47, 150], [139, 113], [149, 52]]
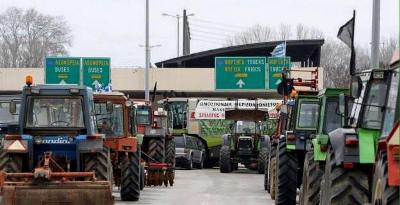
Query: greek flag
[[279, 50]]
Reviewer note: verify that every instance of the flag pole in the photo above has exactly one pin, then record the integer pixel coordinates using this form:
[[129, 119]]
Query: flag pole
[[352, 57]]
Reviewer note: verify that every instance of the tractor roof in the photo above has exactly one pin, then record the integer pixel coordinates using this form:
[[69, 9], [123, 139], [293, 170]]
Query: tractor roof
[[110, 96], [332, 91]]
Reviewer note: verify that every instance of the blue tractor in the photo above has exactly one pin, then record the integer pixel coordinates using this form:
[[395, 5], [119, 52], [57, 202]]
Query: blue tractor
[[55, 156]]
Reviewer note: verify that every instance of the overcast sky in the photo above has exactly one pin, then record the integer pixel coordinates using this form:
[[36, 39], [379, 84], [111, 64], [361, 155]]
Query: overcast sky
[[115, 28]]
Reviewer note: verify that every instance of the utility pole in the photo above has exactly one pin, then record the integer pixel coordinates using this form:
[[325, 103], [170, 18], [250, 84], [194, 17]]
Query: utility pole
[[375, 34], [147, 54], [186, 34]]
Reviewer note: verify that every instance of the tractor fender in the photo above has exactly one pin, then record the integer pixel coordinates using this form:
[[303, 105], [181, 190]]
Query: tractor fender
[[226, 138], [336, 140], [90, 146]]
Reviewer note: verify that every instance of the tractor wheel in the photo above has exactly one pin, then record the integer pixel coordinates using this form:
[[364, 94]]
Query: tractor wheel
[[156, 149], [272, 179], [225, 165], [170, 153], [382, 193], [262, 160], [189, 165], [340, 186], [268, 171], [142, 177], [100, 163], [286, 179], [130, 177], [312, 175], [11, 163]]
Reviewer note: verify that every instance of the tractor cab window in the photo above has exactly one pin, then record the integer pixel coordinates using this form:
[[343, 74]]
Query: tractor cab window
[[5, 116], [333, 120], [373, 112], [246, 127], [109, 122], [143, 116], [54, 112], [392, 102], [179, 110], [308, 115]]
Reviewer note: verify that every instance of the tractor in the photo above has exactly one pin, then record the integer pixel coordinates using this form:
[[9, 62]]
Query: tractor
[[55, 156], [351, 151], [115, 119], [154, 128], [245, 143], [328, 120]]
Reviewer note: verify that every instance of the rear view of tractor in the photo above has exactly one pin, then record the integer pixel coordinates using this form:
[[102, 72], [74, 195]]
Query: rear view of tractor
[[245, 144], [115, 119], [55, 157], [158, 146]]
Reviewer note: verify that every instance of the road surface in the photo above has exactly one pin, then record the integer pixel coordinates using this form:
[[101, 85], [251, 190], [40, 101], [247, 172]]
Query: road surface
[[207, 187]]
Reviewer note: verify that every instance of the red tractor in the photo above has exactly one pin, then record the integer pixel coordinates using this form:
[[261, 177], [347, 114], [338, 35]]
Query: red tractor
[[158, 147]]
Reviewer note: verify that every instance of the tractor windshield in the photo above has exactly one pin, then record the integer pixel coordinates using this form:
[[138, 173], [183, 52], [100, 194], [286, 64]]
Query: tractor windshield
[[308, 115], [246, 127], [143, 116], [54, 112], [373, 112], [332, 120], [5, 116], [109, 122], [178, 110], [390, 111]]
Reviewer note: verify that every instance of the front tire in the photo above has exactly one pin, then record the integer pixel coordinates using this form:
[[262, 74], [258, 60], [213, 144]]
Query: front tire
[[312, 175], [286, 184], [382, 192], [130, 177], [225, 164], [11, 163], [343, 187], [100, 163]]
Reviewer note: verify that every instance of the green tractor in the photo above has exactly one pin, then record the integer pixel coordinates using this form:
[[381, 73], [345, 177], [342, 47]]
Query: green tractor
[[329, 119], [301, 125], [246, 143], [351, 151]]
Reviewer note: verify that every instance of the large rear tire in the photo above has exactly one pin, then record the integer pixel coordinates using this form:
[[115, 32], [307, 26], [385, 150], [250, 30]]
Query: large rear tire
[[156, 149], [272, 177], [382, 193], [286, 183], [268, 171], [130, 177], [225, 165], [100, 163], [11, 163], [312, 175], [142, 177], [343, 187], [262, 160], [170, 153]]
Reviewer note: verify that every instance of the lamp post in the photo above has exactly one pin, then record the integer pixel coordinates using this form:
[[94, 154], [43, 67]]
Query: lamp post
[[177, 16]]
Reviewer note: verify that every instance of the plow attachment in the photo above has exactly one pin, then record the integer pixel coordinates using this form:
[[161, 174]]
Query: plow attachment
[[159, 174], [23, 189]]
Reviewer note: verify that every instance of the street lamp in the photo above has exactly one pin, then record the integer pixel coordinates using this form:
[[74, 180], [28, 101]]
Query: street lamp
[[177, 16], [150, 47]]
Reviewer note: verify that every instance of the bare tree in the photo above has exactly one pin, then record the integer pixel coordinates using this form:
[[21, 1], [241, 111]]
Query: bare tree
[[26, 37], [386, 51], [254, 34], [284, 32]]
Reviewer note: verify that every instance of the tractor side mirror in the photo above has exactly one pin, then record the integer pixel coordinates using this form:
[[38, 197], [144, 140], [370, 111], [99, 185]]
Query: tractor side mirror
[[13, 107], [109, 106], [356, 86]]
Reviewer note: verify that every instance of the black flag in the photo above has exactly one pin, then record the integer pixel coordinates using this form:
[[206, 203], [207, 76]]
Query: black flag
[[346, 34], [154, 92]]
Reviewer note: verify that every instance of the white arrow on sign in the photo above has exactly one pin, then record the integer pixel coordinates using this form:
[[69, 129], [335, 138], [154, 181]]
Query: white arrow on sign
[[278, 81], [240, 83], [62, 82]]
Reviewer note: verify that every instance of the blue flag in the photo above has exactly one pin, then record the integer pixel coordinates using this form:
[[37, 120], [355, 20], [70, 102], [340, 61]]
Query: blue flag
[[279, 50]]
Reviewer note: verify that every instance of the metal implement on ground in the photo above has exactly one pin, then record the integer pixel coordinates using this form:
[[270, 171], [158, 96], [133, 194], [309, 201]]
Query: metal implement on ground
[[55, 156], [115, 118], [154, 128]]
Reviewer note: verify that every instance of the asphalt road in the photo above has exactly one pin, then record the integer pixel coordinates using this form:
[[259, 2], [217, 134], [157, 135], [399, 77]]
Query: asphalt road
[[207, 187]]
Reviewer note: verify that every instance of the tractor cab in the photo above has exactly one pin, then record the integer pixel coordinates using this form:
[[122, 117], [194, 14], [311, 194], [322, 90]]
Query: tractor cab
[[246, 132], [9, 111]]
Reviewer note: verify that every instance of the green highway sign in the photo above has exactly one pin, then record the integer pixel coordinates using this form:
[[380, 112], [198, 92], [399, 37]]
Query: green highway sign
[[96, 72], [62, 70], [275, 67], [240, 73]]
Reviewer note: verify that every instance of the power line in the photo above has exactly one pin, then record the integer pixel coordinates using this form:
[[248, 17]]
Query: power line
[[206, 41], [208, 32], [218, 23], [213, 27], [208, 37]]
